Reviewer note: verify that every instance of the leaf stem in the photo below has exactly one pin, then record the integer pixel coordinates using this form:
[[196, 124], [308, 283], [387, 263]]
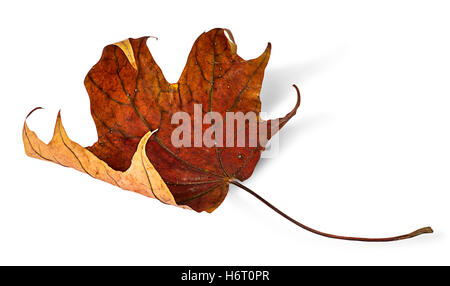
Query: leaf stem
[[384, 239]]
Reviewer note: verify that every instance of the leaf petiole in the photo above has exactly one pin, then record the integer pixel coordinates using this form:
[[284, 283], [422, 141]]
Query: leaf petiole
[[384, 239]]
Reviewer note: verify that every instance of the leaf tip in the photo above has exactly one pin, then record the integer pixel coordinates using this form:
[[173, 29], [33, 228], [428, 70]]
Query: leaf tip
[[153, 37], [34, 109]]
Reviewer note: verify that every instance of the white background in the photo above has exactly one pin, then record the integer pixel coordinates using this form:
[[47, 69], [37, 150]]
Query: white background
[[367, 155]]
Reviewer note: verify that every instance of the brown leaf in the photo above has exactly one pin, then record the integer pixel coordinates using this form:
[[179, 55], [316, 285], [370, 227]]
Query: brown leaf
[[130, 97], [133, 105]]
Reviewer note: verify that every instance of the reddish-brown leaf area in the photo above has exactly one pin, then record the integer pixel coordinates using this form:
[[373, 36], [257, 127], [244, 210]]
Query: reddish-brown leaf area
[[128, 100]]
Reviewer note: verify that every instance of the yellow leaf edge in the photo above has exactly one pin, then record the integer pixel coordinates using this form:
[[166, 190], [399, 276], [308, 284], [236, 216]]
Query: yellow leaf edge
[[141, 177], [127, 49]]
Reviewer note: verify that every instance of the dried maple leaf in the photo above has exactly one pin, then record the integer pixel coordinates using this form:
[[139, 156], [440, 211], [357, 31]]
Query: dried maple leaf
[[130, 97], [133, 106]]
